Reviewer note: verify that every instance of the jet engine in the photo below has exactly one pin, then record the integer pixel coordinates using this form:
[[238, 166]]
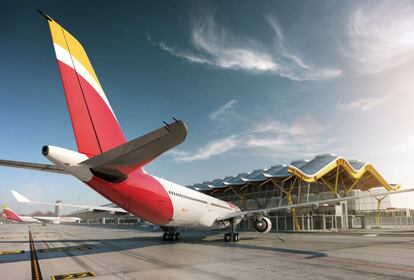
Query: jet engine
[[263, 225]]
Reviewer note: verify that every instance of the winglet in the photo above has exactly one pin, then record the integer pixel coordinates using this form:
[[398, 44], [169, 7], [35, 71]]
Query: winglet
[[44, 15], [19, 197]]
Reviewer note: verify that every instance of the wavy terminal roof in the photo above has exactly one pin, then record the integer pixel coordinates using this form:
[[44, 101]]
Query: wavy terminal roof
[[324, 167]]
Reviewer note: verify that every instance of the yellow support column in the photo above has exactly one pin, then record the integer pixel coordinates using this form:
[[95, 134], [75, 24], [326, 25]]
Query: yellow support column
[[290, 200], [378, 212], [352, 186], [293, 211], [337, 180]]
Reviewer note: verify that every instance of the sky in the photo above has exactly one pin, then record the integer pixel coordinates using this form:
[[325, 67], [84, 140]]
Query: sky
[[258, 83]]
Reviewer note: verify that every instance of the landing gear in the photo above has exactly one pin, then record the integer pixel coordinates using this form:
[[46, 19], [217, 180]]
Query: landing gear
[[231, 235], [228, 237], [171, 234]]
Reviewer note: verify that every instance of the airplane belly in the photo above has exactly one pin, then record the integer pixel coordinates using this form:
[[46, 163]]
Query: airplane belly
[[140, 195], [159, 201], [186, 213], [30, 220]]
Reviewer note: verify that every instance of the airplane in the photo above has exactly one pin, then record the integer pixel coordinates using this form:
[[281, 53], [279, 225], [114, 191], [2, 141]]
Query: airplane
[[12, 216], [113, 167], [113, 210]]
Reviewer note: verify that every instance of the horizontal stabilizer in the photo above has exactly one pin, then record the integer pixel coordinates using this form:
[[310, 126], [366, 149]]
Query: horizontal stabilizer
[[33, 166], [120, 161]]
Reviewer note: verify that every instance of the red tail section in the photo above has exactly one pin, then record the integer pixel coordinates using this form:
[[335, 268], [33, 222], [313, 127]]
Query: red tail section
[[94, 123], [10, 215]]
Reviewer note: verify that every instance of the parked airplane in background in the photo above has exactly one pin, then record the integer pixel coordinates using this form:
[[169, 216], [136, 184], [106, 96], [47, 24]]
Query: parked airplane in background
[[113, 210], [114, 168], [12, 216]]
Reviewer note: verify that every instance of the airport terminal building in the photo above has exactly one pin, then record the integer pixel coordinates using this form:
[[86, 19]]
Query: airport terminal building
[[325, 176]]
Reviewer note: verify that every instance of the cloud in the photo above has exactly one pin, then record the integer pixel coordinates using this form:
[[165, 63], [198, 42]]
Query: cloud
[[305, 126], [285, 147], [214, 148], [227, 51], [365, 104], [268, 142], [299, 138], [182, 54], [381, 36], [292, 65], [227, 108], [218, 47]]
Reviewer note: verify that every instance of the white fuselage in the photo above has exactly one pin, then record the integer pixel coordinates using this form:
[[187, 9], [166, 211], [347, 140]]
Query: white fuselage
[[28, 219], [193, 209], [52, 220]]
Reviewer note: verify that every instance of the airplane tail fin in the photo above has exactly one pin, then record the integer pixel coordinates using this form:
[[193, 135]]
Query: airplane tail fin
[[19, 197], [94, 123], [11, 215]]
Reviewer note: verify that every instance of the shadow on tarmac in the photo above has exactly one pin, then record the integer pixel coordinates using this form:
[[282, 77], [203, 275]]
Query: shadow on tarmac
[[51, 249]]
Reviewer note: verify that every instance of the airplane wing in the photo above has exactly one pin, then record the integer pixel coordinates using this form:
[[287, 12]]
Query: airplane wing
[[120, 161], [22, 199], [138, 152], [265, 211], [33, 166], [45, 220]]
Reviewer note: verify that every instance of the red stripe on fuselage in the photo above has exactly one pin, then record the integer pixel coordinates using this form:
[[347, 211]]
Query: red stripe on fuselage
[[141, 194]]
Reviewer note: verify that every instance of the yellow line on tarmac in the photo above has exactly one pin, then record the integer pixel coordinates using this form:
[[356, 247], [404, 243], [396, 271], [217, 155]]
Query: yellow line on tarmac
[[36, 273], [12, 252], [73, 275]]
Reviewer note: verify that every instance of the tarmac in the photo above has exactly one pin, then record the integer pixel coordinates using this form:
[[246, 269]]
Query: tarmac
[[110, 252]]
